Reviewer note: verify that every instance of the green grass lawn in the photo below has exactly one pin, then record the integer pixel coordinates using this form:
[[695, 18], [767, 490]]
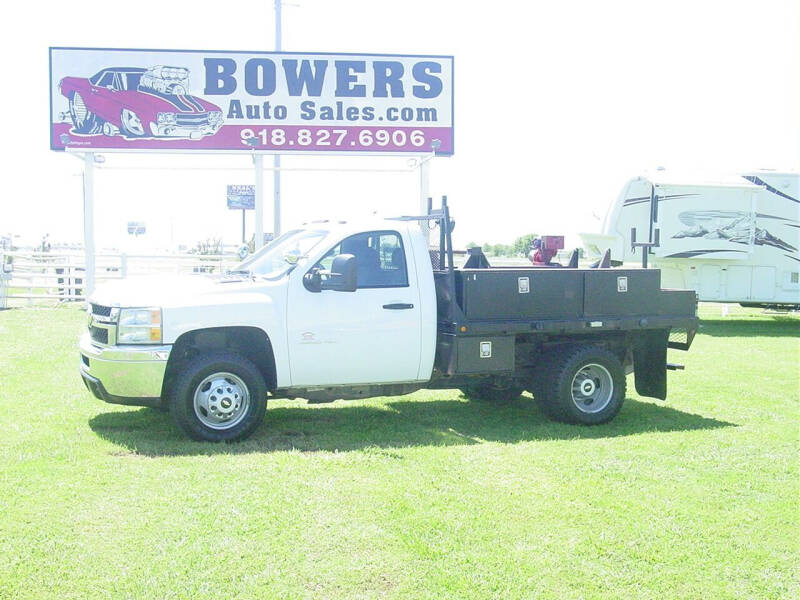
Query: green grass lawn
[[423, 496]]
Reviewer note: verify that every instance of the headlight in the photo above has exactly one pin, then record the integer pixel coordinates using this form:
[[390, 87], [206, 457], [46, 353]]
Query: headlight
[[166, 117], [215, 115], [139, 326]]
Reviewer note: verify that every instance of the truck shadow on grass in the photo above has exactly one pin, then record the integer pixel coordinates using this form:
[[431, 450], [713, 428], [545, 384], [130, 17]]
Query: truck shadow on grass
[[389, 424]]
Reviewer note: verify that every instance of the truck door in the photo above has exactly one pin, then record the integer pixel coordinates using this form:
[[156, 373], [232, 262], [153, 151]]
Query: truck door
[[372, 335]]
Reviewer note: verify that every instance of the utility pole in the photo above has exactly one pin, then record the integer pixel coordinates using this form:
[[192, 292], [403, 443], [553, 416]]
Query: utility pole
[[258, 164], [88, 223], [276, 159]]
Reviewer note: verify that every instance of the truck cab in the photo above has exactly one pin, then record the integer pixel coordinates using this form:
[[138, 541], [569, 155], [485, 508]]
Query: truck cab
[[301, 338]]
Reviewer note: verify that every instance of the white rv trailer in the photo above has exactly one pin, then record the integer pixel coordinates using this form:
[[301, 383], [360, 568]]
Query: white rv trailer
[[731, 239]]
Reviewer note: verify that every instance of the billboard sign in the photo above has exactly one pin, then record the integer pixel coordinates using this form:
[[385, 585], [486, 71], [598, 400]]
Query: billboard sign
[[163, 100], [242, 197], [137, 228]]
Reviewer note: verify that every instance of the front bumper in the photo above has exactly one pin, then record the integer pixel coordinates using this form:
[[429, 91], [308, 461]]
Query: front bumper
[[124, 374], [192, 132]]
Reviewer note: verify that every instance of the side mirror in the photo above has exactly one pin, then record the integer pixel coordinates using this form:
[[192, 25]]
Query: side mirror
[[342, 276], [313, 281]]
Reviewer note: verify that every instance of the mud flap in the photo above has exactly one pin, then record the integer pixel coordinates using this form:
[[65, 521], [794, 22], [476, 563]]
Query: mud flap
[[650, 363]]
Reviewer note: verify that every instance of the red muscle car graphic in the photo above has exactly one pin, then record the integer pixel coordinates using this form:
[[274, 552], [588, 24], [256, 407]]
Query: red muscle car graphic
[[139, 103]]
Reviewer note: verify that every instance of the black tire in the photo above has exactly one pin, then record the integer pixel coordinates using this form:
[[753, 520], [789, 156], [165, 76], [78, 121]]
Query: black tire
[[84, 121], [492, 392], [584, 385], [236, 377]]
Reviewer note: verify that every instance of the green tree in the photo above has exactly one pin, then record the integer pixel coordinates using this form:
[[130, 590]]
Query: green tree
[[522, 244]]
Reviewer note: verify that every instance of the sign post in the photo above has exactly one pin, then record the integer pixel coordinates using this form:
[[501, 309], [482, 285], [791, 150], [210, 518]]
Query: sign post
[[88, 220], [276, 159], [258, 161], [241, 197]]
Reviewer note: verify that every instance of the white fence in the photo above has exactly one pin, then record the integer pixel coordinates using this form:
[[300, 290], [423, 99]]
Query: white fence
[[29, 277], [59, 276]]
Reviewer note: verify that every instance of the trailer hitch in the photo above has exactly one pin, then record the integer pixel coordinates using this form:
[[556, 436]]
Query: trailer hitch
[[675, 367]]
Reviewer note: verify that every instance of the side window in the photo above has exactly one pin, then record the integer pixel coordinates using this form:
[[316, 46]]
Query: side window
[[106, 80], [380, 258]]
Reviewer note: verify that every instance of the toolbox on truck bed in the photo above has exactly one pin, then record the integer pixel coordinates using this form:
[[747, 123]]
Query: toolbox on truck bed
[[531, 293], [503, 320]]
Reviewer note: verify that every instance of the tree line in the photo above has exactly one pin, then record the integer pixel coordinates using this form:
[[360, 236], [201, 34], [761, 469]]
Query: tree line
[[520, 247]]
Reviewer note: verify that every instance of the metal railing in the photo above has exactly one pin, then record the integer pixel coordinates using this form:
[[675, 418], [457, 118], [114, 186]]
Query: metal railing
[[60, 275]]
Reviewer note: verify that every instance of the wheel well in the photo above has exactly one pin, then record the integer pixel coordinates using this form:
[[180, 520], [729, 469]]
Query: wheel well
[[251, 342], [530, 349]]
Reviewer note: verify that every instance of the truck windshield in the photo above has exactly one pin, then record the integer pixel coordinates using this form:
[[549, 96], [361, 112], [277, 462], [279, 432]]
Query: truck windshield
[[278, 257]]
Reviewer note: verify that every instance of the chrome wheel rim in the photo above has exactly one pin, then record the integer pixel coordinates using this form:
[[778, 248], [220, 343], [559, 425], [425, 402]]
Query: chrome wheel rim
[[132, 122], [592, 388], [221, 400]]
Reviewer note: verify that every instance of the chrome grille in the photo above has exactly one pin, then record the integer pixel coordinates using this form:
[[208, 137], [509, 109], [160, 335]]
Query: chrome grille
[[99, 309], [192, 119], [98, 334]]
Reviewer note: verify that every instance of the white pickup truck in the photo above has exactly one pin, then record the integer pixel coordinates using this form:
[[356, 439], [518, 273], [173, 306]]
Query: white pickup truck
[[338, 310]]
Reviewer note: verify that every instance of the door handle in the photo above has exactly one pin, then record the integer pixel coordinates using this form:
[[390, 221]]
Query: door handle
[[398, 306]]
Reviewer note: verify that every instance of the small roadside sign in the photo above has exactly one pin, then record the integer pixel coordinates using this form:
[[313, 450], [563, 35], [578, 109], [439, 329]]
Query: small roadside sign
[[137, 228], [242, 197]]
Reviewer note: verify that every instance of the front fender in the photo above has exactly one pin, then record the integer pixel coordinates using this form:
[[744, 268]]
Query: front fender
[[146, 106], [241, 311], [106, 107]]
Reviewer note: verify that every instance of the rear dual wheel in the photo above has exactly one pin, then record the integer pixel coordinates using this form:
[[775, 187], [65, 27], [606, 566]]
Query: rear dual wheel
[[584, 385]]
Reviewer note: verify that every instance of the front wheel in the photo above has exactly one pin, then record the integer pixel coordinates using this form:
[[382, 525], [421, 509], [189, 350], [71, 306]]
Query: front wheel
[[583, 385], [131, 124], [219, 397]]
